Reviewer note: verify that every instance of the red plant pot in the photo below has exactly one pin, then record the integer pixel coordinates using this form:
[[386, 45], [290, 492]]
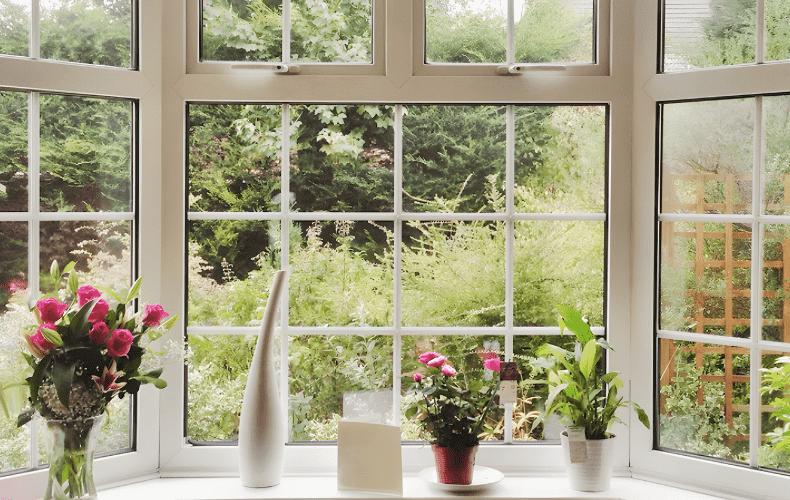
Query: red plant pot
[[454, 465]]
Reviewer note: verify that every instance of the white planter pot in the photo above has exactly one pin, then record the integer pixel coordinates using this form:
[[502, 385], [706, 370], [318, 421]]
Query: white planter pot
[[594, 474]]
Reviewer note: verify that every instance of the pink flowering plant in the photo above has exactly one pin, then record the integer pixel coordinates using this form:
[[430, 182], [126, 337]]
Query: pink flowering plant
[[89, 349], [452, 410]]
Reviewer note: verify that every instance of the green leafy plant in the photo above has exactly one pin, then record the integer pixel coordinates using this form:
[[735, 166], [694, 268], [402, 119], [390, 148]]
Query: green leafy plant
[[454, 416], [578, 393]]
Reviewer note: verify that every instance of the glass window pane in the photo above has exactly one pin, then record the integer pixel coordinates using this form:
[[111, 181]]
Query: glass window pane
[[231, 264], [460, 31], [554, 31], [84, 31], [86, 154], [234, 157], [242, 30], [338, 31], [557, 263], [560, 159], [706, 278], [776, 282], [454, 274], [454, 159], [775, 410], [338, 376], [707, 33], [13, 152], [342, 158], [466, 353], [341, 274], [14, 27], [777, 154], [777, 30], [13, 262], [704, 399], [707, 157]]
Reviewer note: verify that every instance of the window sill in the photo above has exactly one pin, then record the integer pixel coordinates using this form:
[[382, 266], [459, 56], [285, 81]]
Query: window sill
[[314, 487]]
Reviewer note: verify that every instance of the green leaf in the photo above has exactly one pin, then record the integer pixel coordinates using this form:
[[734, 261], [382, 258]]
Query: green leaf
[[25, 417], [134, 291], [63, 376], [168, 324], [158, 382], [571, 319], [69, 267], [52, 336], [642, 415], [79, 323], [38, 375], [110, 292], [589, 358]]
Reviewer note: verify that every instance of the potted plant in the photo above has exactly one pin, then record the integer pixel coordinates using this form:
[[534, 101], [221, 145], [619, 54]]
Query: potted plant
[[586, 401], [453, 414]]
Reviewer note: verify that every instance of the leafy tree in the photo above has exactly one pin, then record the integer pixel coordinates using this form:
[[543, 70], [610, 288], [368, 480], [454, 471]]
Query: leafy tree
[[14, 22]]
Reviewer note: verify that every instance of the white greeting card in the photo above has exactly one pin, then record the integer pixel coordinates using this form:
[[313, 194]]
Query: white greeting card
[[369, 457]]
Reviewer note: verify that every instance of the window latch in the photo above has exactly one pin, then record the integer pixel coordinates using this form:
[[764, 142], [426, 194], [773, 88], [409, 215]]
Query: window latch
[[518, 69], [270, 67]]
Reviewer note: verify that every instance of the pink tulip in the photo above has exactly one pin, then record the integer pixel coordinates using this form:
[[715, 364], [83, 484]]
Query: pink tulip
[[448, 370], [437, 361], [427, 356]]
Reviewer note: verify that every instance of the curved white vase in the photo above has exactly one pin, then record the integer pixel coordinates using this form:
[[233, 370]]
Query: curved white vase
[[262, 423], [596, 473]]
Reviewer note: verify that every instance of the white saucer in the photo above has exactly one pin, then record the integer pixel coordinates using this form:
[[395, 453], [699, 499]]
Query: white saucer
[[482, 477]]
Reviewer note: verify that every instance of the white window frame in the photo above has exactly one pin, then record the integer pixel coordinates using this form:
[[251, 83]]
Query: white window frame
[[598, 67], [27, 74], [397, 85], [705, 83], [271, 68]]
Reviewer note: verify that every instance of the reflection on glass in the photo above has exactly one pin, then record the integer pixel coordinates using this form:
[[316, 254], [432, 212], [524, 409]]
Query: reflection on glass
[[458, 31], [231, 265], [337, 376], [234, 157], [339, 32], [707, 157], [776, 284], [704, 399], [101, 250], [706, 278], [216, 377], [454, 159], [116, 432], [560, 162], [704, 33], [242, 31], [13, 266], [84, 31], [454, 274], [86, 163], [466, 353], [775, 403], [777, 30], [554, 31], [776, 199], [342, 158], [557, 262], [13, 151], [14, 27], [341, 274]]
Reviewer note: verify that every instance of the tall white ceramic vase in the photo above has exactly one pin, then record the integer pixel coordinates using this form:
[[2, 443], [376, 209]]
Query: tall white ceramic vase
[[262, 423]]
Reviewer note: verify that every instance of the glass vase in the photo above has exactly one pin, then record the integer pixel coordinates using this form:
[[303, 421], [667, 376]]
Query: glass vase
[[70, 446]]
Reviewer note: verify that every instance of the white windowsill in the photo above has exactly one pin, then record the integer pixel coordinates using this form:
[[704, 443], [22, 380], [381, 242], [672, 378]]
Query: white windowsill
[[313, 487]]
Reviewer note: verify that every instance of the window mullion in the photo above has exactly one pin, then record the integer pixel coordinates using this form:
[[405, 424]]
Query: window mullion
[[33, 228], [510, 55], [286, 32], [285, 224], [397, 341], [759, 45], [35, 30], [510, 134]]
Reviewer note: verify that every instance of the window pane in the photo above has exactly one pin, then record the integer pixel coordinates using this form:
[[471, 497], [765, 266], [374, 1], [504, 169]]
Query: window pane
[[339, 31], [341, 274], [454, 158], [217, 373], [86, 162], [777, 154], [707, 157], [707, 33], [706, 278], [13, 152], [13, 262], [704, 399], [777, 30], [461, 31], [554, 31], [560, 159], [242, 30], [555, 263], [234, 157], [776, 283], [342, 158], [14, 27], [231, 263], [775, 410], [466, 354], [338, 376], [84, 31], [454, 274]]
